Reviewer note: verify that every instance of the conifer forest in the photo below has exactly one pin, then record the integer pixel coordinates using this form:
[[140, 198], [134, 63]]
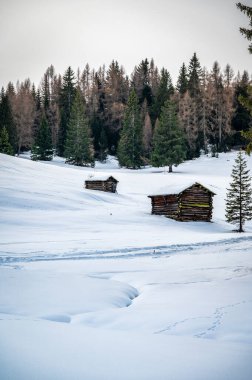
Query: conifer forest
[[88, 114], [125, 190]]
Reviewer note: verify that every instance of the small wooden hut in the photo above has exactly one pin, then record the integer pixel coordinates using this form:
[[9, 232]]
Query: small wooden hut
[[193, 203], [102, 183]]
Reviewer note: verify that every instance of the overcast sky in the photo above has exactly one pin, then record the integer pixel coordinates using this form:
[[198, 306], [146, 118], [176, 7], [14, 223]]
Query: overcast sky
[[37, 33]]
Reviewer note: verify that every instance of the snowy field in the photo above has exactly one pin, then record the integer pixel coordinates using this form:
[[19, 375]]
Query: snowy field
[[94, 287]]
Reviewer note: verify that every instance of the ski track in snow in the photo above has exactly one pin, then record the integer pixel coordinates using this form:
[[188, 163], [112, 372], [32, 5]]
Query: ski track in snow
[[7, 257]]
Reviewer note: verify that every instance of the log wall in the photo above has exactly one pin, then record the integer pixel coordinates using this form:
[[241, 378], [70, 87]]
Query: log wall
[[193, 204], [165, 205], [108, 186]]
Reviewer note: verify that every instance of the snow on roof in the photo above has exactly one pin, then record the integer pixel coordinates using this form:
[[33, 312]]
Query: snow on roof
[[99, 177], [179, 188]]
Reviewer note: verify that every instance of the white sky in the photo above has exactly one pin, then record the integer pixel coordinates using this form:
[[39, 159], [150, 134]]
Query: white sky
[[37, 33]]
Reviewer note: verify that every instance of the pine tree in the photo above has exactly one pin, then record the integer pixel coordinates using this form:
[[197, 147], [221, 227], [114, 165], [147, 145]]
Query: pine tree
[[245, 104], [141, 82], [5, 146], [246, 100], [46, 91], [242, 118], [131, 143], [248, 136], [95, 109], [164, 91], [38, 114], [195, 76], [182, 83], [168, 140], [7, 120], [78, 150], [246, 32], [66, 100], [42, 148], [103, 144], [239, 196], [228, 76]]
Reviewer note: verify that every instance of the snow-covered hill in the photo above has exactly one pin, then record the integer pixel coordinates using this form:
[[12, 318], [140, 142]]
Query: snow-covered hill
[[45, 209], [92, 286]]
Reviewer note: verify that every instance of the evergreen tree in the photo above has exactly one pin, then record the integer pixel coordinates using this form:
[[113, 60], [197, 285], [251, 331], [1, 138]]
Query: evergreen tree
[[46, 91], [182, 83], [246, 32], [7, 120], [242, 117], [67, 96], [38, 113], [195, 76], [42, 148], [239, 196], [131, 143], [228, 76], [5, 146], [246, 100], [103, 144], [96, 112], [96, 125], [164, 92], [141, 82], [78, 150], [168, 140], [248, 136]]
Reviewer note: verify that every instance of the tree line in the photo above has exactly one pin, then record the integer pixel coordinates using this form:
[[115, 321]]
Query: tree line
[[143, 118]]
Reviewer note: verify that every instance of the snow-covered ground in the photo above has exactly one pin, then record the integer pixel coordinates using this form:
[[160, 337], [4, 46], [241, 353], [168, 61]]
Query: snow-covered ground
[[92, 286]]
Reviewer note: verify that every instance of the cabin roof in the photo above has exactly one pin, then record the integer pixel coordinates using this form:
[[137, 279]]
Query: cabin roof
[[176, 189], [101, 178]]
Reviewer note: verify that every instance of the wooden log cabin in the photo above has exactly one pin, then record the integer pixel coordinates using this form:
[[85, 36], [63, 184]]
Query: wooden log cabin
[[192, 203], [107, 183]]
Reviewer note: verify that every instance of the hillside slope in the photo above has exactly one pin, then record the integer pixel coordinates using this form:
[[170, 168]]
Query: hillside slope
[[46, 210], [92, 286]]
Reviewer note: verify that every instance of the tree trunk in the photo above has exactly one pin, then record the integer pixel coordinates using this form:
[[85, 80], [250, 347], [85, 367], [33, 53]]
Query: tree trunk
[[19, 148], [240, 205], [170, 168]]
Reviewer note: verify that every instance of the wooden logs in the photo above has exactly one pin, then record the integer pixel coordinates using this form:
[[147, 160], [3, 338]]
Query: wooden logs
[[192, 204], [109, 184]]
